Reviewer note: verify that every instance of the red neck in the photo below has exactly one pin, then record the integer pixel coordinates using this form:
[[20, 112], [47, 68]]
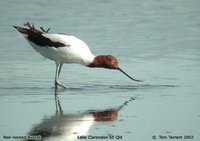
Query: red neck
[[98, 61]]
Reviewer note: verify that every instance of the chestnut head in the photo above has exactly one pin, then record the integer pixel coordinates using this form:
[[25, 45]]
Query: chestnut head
[[109, 62]]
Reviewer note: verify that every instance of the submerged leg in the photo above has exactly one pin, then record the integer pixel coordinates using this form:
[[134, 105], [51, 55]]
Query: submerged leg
[[58, 70], [56, 101]]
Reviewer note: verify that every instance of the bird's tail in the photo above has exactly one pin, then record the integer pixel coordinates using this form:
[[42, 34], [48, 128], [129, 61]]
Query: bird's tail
[[22, 30], [30, 28]]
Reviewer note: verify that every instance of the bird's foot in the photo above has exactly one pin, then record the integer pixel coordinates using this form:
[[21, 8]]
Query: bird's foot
[[57, 83]]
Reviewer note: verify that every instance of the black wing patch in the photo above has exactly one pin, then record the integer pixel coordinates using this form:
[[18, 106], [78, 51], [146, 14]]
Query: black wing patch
[[35, 36], [40, 40]]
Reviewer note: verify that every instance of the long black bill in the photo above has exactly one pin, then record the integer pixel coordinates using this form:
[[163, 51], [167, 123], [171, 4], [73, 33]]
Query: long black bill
[[129, 75]]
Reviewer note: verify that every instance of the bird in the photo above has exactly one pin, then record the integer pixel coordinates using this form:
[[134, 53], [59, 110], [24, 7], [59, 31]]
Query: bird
[[66, 49]]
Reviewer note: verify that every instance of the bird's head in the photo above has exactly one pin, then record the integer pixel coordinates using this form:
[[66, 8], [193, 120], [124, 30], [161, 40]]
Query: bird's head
[[108, 62]]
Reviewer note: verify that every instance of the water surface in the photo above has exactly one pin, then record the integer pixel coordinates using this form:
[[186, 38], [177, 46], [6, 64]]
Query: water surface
[[156, 41]]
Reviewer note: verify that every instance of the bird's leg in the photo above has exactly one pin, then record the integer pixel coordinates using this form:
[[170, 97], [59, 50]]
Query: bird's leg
[[56, 101], [56, 76], [60, 108], [58, 70]]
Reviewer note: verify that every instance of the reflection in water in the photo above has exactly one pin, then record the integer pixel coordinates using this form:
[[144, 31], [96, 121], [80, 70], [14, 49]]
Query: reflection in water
[[67, 127]]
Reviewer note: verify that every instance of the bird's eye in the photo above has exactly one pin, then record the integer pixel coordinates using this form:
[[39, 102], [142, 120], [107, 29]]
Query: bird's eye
[[113, 62]]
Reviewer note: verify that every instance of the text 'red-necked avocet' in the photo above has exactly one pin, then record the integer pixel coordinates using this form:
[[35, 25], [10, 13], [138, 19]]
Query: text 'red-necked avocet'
[[64, 48]]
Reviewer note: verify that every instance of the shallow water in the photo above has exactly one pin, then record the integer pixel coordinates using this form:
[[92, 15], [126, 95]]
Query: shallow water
[[155, 41]]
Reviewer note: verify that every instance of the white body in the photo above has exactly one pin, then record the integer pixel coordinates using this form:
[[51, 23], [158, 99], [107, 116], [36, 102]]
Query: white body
[[75, 51]]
